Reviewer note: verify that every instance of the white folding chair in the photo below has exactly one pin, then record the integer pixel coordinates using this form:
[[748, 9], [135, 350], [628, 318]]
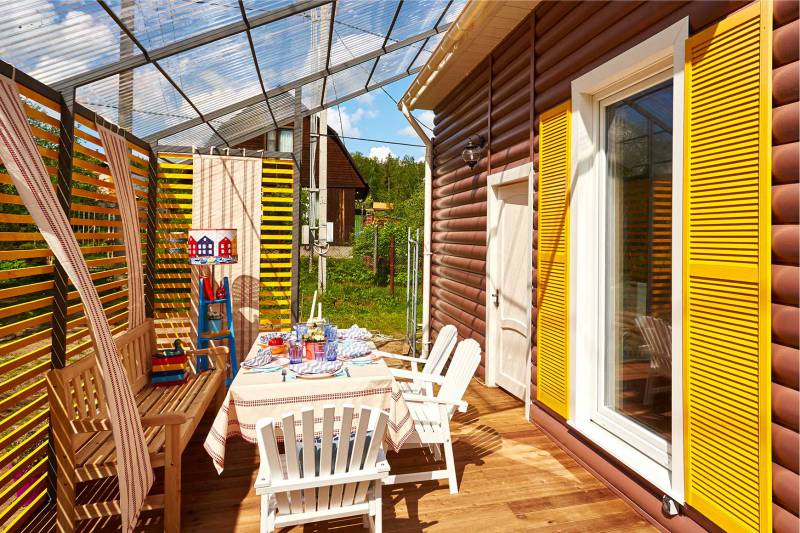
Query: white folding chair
[[657, 335], [432, 365], [336, 475], [432, 414]]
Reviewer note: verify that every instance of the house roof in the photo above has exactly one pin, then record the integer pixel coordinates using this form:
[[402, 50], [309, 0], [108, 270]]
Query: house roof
[[479, 28], [213, 73], [335, 136]]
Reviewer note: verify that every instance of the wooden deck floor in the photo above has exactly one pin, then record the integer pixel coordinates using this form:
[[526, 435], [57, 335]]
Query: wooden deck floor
[[512, 478]]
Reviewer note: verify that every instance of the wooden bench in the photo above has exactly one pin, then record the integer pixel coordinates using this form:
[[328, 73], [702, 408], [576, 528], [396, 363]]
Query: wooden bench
[[81, 430]]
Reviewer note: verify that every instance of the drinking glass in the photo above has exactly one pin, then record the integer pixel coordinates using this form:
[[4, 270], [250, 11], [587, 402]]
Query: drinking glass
[[330, 351], [295, 353], [319, 351]]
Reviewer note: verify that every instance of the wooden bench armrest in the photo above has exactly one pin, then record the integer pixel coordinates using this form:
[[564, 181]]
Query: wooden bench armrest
[[93, 425], [218, 354], [164, 419]]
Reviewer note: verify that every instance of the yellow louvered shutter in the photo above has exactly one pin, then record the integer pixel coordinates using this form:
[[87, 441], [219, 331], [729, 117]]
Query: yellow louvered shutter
[[552, 329], [727, 271]]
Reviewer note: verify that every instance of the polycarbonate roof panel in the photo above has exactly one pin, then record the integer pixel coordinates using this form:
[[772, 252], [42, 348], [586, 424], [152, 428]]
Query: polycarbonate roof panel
[[204, 52], [157, 23], [216, 74], [348, 81], [54, 40], [200, 135], [416, 16], [154, 101], [394, 63], [286, 51], [427, 50], [360, 28]]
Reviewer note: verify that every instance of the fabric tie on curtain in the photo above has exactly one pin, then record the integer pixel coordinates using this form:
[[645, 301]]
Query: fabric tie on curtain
[[116, 148], [29, 175]]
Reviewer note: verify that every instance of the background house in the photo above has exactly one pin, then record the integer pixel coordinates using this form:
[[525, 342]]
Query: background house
[[345, 183]]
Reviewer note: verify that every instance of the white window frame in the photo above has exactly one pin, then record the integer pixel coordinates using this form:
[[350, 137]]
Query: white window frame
[[644, 65]]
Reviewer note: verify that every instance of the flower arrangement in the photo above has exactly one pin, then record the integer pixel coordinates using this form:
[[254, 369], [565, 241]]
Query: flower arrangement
[[315, 334], [213, 315]]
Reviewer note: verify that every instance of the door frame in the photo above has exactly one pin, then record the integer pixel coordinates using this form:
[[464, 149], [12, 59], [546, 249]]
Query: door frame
[[522, 173]]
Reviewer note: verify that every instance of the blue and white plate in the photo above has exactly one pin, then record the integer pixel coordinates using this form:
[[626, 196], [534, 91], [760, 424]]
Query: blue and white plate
[[316, 369]]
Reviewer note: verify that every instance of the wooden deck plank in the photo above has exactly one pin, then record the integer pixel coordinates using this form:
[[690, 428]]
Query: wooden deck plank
[[512, 478]]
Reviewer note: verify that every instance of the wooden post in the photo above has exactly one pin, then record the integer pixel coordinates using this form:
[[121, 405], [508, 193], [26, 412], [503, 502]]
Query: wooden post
[[150, 250], [58, 350], [391, 265], [322, 211], [297, 148]]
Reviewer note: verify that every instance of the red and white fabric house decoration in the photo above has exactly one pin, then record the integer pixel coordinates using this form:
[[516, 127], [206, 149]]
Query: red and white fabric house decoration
[[212, 246]]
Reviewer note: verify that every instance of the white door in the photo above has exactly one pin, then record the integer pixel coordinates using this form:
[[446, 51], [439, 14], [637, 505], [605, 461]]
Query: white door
[[511, 288]]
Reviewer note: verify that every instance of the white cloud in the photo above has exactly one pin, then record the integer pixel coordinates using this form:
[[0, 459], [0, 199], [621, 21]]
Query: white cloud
[[425, 118], [381, 153], [368, 99], [345, 122]]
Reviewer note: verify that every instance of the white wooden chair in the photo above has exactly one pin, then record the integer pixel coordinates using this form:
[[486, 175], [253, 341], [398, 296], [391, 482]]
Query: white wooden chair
[[657, 335], [432, 365], [337, 475], [432, 414]]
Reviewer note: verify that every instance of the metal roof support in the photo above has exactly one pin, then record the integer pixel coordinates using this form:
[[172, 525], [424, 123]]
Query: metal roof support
[[385, 41], [186, 44], [247, 136], [257, 99], [328, 53], [438, 21], [297, 148], [155, 63]]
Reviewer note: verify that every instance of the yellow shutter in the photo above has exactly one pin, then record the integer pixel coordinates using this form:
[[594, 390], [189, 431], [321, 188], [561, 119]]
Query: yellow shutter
[[727, 271], [553, 269]]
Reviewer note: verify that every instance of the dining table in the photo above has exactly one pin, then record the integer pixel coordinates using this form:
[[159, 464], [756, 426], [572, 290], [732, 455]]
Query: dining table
[[272, 392]]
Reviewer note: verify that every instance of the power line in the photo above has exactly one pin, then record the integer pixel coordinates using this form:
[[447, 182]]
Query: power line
[[369, 140]]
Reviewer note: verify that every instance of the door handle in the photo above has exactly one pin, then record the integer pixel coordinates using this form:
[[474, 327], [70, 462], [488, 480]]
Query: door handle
[[496, 298]]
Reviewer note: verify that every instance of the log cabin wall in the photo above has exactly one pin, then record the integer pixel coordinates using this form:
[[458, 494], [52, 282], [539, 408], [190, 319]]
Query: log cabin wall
[[785, 266], [499, 102]]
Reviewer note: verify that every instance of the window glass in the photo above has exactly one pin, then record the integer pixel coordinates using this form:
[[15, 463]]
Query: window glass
[[272, 137], [285, 140], [638, 358]]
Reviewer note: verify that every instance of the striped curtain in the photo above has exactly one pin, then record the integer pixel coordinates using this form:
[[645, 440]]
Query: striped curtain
[[29, 175], [226, 193], [118, 154]]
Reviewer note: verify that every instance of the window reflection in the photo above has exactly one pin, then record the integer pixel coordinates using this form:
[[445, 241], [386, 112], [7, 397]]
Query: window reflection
[[638, 133]]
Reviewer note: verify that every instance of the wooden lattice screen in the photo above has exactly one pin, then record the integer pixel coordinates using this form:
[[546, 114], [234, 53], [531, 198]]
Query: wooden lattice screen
[[173, 284], [27, 288]]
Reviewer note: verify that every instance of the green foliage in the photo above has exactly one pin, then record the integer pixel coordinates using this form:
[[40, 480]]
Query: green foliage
[[392, 180]]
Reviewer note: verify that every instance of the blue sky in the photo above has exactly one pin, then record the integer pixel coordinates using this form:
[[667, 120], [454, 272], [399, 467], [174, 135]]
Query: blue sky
[[375, 116]]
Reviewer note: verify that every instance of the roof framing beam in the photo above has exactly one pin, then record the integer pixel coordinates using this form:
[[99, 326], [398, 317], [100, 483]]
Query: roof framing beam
[[185, 44], [247, 136], [385, 41], [438, 21], [331, 30], [253, 100]]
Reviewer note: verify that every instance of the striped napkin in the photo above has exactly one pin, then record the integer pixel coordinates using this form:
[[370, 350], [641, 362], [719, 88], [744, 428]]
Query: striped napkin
[[350, 349], [262, 358], [316, 367], [355, 333]]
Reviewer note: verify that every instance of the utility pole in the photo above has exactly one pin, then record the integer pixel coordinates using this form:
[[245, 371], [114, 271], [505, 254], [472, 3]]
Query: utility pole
[[322, 274]]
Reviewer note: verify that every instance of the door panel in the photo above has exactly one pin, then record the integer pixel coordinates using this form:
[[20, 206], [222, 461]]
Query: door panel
[[513, 265]]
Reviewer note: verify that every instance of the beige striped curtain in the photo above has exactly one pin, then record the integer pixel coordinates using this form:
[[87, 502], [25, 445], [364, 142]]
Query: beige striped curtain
[[118, 154], [29, 175], [227, 194]]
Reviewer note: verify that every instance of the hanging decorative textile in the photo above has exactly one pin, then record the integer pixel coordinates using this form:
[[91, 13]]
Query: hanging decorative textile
[[226, 193], [29, 175], [116, 148]]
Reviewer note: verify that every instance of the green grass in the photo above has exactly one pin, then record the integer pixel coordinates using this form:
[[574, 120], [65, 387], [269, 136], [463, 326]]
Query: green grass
[[353, 297]]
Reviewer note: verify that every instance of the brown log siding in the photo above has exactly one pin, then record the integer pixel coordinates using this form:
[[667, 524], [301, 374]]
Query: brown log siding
[[495, 101]]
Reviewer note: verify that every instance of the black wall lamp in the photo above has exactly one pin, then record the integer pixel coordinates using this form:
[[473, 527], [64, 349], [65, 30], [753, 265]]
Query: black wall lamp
[[473, 150]]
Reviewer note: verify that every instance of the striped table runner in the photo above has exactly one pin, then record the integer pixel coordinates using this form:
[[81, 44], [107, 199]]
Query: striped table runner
[[29, 175]]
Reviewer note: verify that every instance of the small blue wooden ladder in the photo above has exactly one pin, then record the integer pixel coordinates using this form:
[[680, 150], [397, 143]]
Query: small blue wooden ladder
[[204, 336]]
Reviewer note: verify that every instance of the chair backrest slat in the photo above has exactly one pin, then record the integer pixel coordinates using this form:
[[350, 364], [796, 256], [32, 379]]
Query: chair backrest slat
[[341, 456], [371, 455], [268, 451], [463, 366], [441, 350], [326, 455], [357, 456], [309, 461], [292, 467]]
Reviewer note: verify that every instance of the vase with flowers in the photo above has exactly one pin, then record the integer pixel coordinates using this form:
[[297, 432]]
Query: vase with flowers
[[314, 341], [214, 320]]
